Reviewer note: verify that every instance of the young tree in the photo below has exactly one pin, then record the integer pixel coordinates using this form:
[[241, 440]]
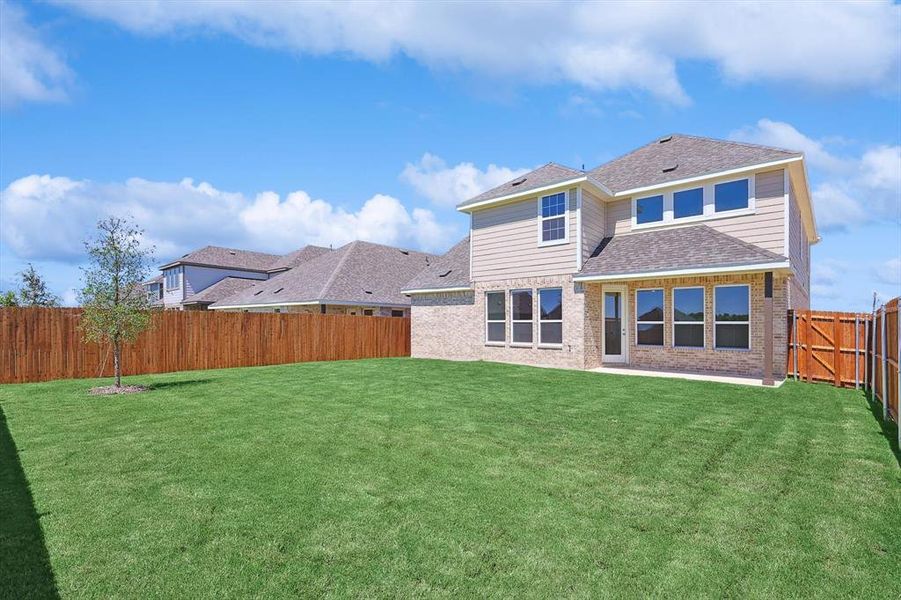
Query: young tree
[[8, 299], [115, 305], [34, 290]]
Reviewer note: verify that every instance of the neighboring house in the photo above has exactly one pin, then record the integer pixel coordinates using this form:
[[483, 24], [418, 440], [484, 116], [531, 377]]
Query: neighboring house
[[202, 277], [359, 278], [682, 255], [154, 290]]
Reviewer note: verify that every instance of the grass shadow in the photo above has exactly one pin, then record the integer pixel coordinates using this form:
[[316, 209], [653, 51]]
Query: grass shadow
[[888, 427], [26, 571], [166, 385]]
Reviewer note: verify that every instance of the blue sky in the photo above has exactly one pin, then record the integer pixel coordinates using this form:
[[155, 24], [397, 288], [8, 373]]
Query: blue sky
[[274, 125]]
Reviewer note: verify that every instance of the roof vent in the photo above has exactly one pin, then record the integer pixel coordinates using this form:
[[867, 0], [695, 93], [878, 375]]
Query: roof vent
[[671, 167], [405, 252], [232, 252], [519, 181], [367, 291], [184, 255], [278, 290], [664, 140], [258, 293], [446, 273]]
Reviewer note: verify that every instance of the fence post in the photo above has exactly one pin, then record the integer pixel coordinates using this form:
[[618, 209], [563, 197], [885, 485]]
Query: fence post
[[795, 343], [837, 350], [866, 353], [884, 370], [873, 358], [856, 352]]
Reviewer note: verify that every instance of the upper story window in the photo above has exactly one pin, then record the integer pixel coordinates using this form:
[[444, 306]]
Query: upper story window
[[552, 218], [173, 281], [731, 195], [688, 203], [649, 210]]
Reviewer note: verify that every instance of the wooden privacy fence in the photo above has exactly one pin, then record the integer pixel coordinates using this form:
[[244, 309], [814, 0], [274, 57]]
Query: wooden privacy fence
[[39, 344], [849, 349]]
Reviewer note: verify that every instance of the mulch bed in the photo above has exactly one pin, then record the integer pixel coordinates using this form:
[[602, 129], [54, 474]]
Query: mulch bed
[[111, 389]]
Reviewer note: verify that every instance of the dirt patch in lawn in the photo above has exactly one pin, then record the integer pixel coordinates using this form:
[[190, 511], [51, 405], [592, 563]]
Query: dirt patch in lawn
[[111, 389]]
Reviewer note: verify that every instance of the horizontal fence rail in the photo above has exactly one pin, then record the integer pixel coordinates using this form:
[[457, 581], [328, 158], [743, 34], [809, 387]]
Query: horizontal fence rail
[[849, 349], [40, 344]]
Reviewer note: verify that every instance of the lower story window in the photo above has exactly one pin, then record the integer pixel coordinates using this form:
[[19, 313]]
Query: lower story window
[[367, 312], [688, 317], [495, 318], [397, 313], [550, 316], [649, 317], [732, 308], [521, 310]]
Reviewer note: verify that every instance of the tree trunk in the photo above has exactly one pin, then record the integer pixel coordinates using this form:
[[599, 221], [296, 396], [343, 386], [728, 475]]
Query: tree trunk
[[116, 364]]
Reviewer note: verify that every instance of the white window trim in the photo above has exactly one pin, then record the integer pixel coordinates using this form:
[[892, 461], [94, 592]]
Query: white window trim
[[488, 321], [748, 322], [709, 212], [541, 343], [542, 219], [175, 273], [531, 322], [662, 323], [702, 322]]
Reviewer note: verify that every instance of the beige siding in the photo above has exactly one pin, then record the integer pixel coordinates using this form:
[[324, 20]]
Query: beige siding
[[799, 256], [593, 216], [764, 228], [505, 242]]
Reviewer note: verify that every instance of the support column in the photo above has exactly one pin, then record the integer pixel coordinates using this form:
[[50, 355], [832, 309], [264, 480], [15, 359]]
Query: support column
[[768, 328]]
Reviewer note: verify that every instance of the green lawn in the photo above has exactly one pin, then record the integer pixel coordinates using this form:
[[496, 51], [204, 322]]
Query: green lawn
[[405, 477]]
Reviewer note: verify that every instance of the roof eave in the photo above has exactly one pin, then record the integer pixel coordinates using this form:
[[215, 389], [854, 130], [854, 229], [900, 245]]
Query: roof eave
[[805, 201], [311, 303], [533, 191], [178, 263], [436, 290], [716, 270]]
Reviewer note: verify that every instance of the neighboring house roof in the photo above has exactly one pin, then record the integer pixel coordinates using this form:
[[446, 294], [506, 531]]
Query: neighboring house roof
[[292, 259], [356, 273], [229, 258], [548, 174], [678, 156], [449, 271], [695, 248], [219, 290], [152, 280]]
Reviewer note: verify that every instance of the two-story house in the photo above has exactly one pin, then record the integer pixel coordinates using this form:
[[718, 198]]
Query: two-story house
[[683, 255]]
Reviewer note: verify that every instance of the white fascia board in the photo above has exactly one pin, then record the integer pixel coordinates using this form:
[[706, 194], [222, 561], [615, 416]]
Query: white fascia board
[[678, 182], [310, 303], [805, 202], [436, 290], [771, 266], [536, 191]]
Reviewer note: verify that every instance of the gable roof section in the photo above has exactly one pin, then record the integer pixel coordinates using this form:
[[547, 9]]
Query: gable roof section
[[676, 157], [293, 259], [356, 273], [543, 176], [219, 290], [449, 271], [229, 258], [684, 249]]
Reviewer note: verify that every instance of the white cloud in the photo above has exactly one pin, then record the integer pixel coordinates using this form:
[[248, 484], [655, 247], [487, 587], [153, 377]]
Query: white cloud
[[600, 46], [853, 190], [47, 218], [825, 278], [890, 271], [448, 186], [29, 69]]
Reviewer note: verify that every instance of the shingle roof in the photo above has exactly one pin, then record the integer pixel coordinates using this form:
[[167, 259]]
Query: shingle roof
[[668, 158], [548, 174], [451, 270], [292, 259], [677, 156], [358, 272], [231, 258], [695, 247], [219, 290]]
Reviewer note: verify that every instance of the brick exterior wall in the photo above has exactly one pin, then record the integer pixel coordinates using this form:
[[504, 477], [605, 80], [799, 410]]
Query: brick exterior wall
[[452, 325], [706, 360]]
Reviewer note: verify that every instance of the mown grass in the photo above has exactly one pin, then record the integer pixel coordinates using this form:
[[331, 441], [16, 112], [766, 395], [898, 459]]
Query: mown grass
[[409, 477]]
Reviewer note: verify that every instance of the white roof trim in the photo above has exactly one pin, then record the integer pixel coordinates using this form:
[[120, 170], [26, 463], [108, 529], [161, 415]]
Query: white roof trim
[[534, 191], [310, 303], [436, 290], [770, 266], [726, 173]]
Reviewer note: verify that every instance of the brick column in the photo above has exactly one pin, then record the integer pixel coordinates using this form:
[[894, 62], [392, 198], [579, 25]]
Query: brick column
[[768, 328]]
